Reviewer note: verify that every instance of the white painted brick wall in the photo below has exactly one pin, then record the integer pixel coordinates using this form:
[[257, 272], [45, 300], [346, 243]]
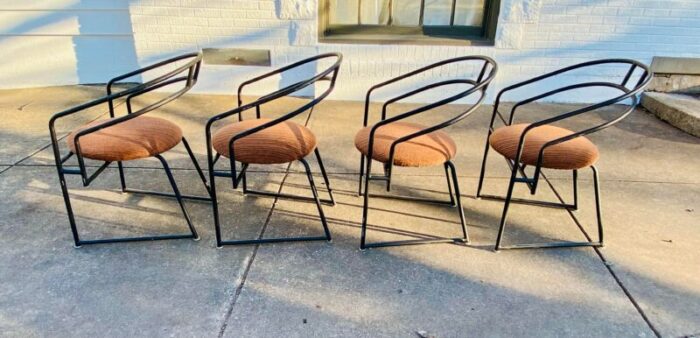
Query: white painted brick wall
[[58, 42], [534, 36]]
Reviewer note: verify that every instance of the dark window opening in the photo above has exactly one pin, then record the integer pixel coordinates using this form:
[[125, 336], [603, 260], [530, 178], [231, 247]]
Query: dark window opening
[[410, 21]]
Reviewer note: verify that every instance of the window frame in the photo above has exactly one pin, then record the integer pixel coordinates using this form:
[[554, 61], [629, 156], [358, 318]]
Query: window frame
[[415, 35]]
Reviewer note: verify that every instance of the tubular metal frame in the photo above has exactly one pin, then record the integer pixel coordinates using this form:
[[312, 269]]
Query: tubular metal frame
[[191, 64], [518, 174], [329, 74], [474, 86]]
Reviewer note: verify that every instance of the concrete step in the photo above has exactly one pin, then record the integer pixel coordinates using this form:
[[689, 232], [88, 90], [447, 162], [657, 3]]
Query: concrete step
[[679, 110]]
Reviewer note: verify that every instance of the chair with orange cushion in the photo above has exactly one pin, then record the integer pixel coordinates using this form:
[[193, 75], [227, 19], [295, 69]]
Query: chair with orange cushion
[[541, 145], [395, 142], [130, 137], [270, 141]]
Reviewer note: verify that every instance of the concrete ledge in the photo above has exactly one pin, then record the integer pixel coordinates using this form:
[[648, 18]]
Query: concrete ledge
[[679, 110], [675, 65]]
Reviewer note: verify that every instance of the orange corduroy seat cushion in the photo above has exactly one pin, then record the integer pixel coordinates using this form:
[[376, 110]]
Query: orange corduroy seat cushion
[[425, 150], [284, 142], [140, 137], [573, 154]]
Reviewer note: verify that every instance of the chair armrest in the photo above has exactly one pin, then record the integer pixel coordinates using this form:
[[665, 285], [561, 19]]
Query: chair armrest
[[158, 86], [487, 61], [193, 66], [423, 89], [540, 158], [480, 87], [436, 127], [559, 91], [281, 70], [644, 80], [330, 74]]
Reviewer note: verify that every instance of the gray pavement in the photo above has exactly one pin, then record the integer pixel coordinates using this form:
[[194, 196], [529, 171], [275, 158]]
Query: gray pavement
[[643, 283]]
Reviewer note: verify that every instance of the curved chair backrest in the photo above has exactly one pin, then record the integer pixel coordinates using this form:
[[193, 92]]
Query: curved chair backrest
[[319, 76], [477, 85], [625, 91], [625, 94], [329, 74], [187, 73]]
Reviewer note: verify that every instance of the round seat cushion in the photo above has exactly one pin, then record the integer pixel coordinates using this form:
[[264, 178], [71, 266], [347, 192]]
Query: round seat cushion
[[282, 143], [140, 137], [573, 154], [425, 150]]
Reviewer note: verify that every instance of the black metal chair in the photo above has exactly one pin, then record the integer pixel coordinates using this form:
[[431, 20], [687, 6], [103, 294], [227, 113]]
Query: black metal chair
[[393, 142], [130, 137], [542, 145], [270, 141]]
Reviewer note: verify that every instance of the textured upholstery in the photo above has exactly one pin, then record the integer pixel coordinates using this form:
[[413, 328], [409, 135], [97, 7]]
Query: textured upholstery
[[426, 150], [284, 142], [573, 154], [140, 137]]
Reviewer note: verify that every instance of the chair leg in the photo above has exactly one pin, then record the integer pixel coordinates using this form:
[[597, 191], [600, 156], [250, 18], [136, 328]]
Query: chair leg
[[599, 212], [362, 175], [157, 193], [309, 175], [516, 168], [330, 201], [462, 219], [74, 229], [449, 184], [195, 163], [387, 174], [178, 197], [571, 208], [483, 167], [506, 205], [464, 238], [122, 179], [575, 186], [214, 201], [69, 208], [365, 205], [217, 225], [325, 175]]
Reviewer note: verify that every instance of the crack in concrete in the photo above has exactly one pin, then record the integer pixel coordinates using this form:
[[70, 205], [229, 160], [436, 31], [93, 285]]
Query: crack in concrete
[[607, 264], [239, 288]]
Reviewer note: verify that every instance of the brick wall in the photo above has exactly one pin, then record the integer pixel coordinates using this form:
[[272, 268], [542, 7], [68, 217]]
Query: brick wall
[[57, 42], [533, 36]]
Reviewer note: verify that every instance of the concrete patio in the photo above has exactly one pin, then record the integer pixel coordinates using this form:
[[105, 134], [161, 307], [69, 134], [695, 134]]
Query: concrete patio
[[643, 283]]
